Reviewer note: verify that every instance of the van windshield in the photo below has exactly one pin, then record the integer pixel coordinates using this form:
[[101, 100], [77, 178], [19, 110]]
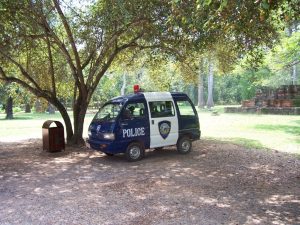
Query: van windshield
[[108, 112]]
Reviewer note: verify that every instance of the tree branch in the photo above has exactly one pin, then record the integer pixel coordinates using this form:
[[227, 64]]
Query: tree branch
[[51, 66], [32, 36], [287, 66], [23, 71], [71, 40], [35, 91], [43, 23], [108, 45], [88, 60], [296, 62], [131, 43], [160, 46]]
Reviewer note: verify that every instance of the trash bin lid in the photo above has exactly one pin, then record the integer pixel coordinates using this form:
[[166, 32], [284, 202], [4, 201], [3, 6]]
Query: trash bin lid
[[47, 123]]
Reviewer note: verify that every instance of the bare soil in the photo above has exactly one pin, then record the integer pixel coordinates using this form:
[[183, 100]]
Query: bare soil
[[217, 183]]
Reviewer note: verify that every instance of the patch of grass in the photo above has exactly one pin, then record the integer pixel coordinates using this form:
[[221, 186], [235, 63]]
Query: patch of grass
[[29, 125], [295, 130], [32, 116], [280, 132]]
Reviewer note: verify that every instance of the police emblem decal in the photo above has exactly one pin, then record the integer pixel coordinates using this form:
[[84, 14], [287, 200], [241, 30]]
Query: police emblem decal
[[164, 128]]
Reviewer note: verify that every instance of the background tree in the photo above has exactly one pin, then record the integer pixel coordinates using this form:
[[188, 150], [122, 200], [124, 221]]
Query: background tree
[[201, 102], [284, 59], [7, 94], [210, 84]]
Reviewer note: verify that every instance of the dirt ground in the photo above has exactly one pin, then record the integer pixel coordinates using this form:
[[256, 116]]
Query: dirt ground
[[217, 183]]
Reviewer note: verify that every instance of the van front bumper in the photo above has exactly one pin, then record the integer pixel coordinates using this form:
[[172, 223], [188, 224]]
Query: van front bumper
[[106, 146]]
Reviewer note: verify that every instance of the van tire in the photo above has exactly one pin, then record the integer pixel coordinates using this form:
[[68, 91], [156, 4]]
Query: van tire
[[184, 145], [135, 152]]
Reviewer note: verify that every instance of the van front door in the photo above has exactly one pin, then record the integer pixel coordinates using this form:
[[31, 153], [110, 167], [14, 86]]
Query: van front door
[[134, 125], [163, 122]]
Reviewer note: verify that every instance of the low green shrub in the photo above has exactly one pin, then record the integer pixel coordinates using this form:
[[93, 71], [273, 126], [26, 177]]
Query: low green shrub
[[17, 109]]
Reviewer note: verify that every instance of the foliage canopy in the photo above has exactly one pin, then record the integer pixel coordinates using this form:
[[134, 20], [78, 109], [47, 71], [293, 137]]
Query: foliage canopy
[[57, 48]]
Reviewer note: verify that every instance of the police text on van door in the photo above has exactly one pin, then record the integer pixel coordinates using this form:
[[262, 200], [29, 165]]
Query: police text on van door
[[134, 132]]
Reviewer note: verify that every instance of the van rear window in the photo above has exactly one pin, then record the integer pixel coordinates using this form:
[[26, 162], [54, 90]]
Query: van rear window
[[161, 109], [185, 108]]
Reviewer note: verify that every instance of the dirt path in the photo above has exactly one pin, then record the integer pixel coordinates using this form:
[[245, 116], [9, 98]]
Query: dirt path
[[218, 183]]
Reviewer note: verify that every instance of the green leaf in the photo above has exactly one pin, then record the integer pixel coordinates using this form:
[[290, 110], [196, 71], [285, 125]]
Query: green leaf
[[207, 2], [223, 4], [265, 5]]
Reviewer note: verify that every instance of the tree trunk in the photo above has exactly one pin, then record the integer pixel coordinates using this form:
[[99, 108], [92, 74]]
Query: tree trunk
[[65, 117], [78, 125], [294, 67], [193, 93], [78, 131], [51, 109], [201, 102], [38, 106], [79, 111], [123, 85], [294, 75], [210, 100], [27, 108], [9, 108]]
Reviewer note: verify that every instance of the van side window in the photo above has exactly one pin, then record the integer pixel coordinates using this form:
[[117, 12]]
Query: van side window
[[161, 109], [134, 110], [185, 108]]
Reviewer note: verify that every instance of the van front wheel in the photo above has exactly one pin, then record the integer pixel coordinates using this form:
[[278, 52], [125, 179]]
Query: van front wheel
[[184, 145], [134, 152]]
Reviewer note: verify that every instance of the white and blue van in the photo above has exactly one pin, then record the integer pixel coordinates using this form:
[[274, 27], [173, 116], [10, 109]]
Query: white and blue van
[[132, 123]]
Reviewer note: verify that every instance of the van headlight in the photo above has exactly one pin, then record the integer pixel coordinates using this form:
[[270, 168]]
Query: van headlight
[[109, 136]]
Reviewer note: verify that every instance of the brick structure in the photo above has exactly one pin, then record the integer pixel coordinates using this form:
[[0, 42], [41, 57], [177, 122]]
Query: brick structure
[[283, 100]]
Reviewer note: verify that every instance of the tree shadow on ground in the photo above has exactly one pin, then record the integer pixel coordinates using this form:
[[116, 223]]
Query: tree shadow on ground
[[217, 183]]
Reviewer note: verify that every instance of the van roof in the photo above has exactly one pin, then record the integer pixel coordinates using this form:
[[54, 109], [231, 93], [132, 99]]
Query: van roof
[[153, 95]]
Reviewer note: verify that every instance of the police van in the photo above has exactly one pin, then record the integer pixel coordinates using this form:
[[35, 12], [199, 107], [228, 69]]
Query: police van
[[132, 123]]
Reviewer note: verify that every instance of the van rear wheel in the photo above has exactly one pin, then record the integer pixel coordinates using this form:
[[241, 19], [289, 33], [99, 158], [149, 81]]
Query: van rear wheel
[[184, 145], [134, 152]]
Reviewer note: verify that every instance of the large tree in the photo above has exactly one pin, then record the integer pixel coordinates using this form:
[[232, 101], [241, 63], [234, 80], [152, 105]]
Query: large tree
[[52, 47]]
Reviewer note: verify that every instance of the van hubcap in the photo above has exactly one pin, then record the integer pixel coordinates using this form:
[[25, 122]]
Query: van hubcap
[[134, 152], [185, 146]]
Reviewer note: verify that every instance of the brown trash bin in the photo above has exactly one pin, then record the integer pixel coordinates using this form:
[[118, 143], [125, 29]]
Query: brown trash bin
[[53, 137]]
